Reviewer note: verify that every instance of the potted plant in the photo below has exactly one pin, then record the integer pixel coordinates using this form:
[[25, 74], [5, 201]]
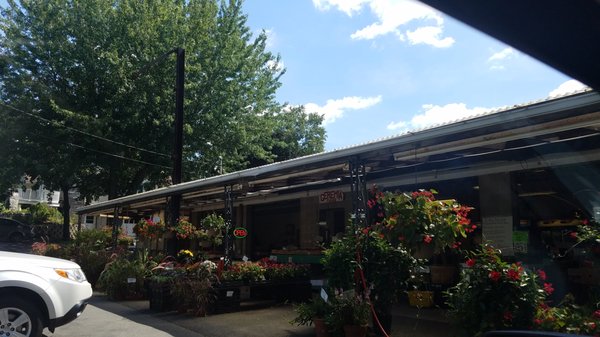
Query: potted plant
[[313, 312], [493, 294], [149, 229], [211, 230], [349, 314], [184, 229]]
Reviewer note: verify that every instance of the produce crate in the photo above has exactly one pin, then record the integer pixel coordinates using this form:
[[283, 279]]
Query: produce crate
[[420, 298]]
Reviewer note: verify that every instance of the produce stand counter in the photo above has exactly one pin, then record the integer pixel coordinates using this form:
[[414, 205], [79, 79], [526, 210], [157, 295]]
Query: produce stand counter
[[301, 256]]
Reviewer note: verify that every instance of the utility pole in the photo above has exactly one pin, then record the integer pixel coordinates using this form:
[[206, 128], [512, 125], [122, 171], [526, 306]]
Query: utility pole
[[178, 132]]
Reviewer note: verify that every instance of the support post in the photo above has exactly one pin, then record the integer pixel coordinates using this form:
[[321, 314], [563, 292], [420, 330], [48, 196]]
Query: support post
[[359, 193], [117, 222], [228, 224]]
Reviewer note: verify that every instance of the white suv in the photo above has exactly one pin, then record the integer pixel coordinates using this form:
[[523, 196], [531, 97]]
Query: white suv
[[38, 292]]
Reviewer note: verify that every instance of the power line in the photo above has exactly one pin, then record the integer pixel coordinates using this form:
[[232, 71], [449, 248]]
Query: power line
[[82, 132], [105, 153]]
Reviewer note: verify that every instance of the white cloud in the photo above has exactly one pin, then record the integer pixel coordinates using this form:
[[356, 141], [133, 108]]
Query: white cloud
[[567, 87], [335, 109], [498, 59], [391, 16], [275, 66], [505, 53], [429, 35], [347, 6], [271, 38], [436, 114]]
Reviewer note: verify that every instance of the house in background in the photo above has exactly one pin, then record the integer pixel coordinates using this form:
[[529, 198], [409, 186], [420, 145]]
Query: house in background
[[23, 198]]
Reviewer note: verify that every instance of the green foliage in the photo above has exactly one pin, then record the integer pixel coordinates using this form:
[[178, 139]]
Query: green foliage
[[308, 311], [98, 67], [41, 213], [93, 239], [493, 294], [386, 268], [568, 317], [347, 308], [123, 278], [246, 271], [211, 229], [417, 218]]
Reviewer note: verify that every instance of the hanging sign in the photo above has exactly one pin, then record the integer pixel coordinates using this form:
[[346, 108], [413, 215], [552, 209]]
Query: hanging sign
[[331, 196], [240, 233]]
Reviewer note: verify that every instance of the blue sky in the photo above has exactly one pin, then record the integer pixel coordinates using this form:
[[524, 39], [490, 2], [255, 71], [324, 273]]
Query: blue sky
[[377, 68]]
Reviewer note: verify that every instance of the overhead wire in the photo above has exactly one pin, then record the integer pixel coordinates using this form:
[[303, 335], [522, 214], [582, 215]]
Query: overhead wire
[[55, 123], [105, 153]]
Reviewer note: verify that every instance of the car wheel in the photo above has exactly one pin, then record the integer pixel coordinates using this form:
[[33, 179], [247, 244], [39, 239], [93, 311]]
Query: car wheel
[[19, 317], [16, 237]]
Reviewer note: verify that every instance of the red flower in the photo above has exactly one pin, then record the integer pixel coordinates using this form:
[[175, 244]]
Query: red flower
[[427, 239], [537, 321], [494, 275], [597, 314], [591, 325], [542, 275], [548, 288], [470, 262], [370, 203], [508, 316], [401, 238], [365, 230], [513, 274], [573, 235]]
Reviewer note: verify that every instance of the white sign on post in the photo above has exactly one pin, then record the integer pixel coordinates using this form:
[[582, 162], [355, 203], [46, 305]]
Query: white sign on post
[[499, 231]]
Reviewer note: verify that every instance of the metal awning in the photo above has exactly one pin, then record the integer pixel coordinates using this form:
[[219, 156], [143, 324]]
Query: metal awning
[[465, 146]]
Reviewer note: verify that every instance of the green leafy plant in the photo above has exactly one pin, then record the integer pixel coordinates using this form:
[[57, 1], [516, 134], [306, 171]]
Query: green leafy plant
[[123, 278], [568, 317], [347, 308], [184, 230], [148, 229], [211, 229], [493, 294], [307, 312], [275, 271], [246, 271], [386, 269], [417, 218]]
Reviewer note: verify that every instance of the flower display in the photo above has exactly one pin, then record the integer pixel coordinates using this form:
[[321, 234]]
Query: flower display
[[494, 294], [418, 218], [148, 229], [245, 271], [275, 271], [184, 229]]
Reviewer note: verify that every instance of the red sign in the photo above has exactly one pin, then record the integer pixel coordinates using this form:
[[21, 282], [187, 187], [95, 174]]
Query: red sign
[[240, 233], [331, 196]]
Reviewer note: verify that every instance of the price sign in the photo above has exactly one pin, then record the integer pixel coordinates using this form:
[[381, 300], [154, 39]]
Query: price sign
[[240, 233]]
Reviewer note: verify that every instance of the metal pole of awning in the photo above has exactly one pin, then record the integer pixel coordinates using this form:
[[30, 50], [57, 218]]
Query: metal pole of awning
[[358, 187], [228, 224]]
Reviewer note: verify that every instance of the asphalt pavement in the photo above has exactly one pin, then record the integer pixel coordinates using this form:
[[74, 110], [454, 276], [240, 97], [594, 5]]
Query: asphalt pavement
[[103, 317]]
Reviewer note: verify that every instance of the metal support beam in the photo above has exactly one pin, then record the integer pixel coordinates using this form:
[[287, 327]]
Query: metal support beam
[[228, 224], [117, 222], [359, 193], [178, 132]]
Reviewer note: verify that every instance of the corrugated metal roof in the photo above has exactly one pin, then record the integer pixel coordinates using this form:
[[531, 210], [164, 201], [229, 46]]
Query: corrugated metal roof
[[491, 118]]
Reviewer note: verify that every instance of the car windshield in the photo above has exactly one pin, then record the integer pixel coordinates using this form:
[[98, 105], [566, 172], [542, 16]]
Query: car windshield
[[257, 134]]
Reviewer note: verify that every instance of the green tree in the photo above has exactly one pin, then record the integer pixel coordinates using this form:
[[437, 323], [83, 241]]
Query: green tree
[[93, 99]]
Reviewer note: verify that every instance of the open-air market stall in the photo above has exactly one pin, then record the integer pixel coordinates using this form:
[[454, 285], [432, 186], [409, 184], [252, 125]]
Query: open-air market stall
[[522, 169]]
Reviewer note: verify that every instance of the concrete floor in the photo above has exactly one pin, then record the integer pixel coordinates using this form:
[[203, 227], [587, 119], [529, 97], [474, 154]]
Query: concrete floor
[[272, 321]]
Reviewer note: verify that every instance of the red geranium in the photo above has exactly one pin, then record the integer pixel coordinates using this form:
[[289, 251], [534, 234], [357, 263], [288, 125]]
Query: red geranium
[[542, 275], [470, 262], [548, 288], [513, 274], [495, 275], [427, 239]]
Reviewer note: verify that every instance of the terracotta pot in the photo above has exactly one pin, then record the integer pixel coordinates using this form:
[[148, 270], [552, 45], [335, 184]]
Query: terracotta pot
[[320, 327], [355, 330]]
